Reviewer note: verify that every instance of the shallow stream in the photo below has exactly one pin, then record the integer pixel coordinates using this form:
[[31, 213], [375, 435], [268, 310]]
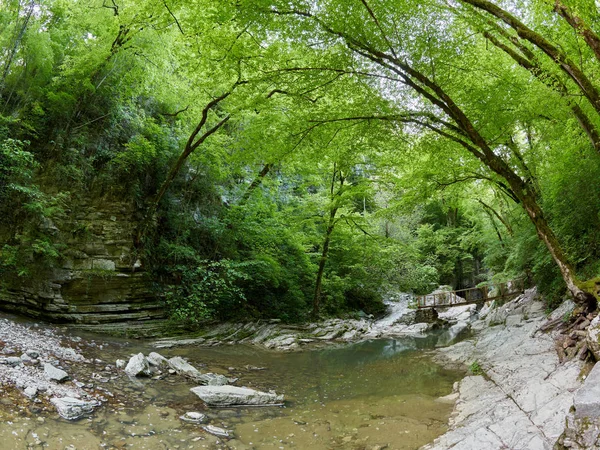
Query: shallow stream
[[370, 395]]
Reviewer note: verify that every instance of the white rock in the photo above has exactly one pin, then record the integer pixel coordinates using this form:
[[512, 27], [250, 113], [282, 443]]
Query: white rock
[[72, 408], [236, 396], [138, 366], [54, 374], [30, 391], [194, 417], [120, 364], [156, 359], [184, 368], [220, 432]]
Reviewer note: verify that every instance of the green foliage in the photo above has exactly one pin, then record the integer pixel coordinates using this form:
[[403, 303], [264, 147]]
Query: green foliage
[[476, 369], [209, 291]]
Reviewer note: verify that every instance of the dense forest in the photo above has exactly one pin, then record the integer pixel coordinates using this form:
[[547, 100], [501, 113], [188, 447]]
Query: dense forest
[[298, 158]]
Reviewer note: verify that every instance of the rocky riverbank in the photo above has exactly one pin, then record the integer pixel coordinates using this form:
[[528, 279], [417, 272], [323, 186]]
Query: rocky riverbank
[[400, 321], [521, 394]]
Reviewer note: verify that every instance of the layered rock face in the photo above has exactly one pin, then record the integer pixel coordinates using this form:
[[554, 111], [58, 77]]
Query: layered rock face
[[99, 280]]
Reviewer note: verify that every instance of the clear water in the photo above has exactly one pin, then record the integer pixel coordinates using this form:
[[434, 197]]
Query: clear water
[[359, 396]]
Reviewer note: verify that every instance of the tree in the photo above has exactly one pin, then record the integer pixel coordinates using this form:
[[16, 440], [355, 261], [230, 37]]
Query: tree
[[374, 38]]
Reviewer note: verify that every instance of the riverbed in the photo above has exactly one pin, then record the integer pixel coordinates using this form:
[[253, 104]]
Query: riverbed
[[374, 394]]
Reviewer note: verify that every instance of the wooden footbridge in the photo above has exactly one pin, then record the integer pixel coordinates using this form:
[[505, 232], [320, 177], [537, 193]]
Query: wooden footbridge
[[498, 291]]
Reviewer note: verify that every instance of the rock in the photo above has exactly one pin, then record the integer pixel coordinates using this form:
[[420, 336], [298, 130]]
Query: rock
[[565, 309], [34, 354], [54, 374], [449, 399], [194, 417], [593, 337], [587, 398], [120, 364], [461, 313], [158, 360], [12, 361], [486, 309], [213, 379], [182, 367], [523, 401], [236, 396], [220, 432], [513, 320], [72, 408], [453, 333], [30, 391], [138, 366]]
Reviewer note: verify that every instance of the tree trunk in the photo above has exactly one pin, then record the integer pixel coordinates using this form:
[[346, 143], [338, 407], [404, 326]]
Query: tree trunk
[[589, 36], [334, 205], [192, 144], [322, 262], [256, 182]]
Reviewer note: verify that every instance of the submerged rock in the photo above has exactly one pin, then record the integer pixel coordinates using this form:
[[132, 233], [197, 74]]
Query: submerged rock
[[236, 396], [72, 408], [194, 417], [54, 374], [138, 366], [220, 432]]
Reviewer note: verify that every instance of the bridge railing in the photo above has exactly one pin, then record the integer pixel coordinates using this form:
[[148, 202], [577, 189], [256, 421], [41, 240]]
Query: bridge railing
[[471, 295]]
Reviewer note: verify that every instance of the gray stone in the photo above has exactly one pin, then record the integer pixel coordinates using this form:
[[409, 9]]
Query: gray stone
[[194, 417], [513, 320], [13, 361], [182, 367], [54, 374], [219, 432], [103, 264], [593, 337], [30, 391], [453, 333], [120, 364], [587, 398], [72, 408], [236, 396], [32, 353], [565, 309], [138, 366], [158, 360]]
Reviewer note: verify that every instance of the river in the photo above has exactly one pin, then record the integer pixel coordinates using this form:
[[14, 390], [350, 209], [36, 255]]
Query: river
[[370, 395]]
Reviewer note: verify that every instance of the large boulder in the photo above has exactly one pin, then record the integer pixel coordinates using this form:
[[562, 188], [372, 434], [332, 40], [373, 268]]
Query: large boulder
[[236, 396], [72, 408], [138, 366]]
